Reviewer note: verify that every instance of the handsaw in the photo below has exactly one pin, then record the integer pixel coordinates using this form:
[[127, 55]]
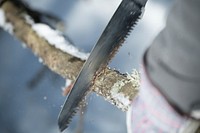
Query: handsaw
[[115, 33]]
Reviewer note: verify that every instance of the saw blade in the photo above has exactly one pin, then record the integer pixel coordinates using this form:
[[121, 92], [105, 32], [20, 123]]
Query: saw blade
[[127, 14]]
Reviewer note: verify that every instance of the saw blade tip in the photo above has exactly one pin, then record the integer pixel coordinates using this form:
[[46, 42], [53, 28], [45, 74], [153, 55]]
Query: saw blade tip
[[62, 125]]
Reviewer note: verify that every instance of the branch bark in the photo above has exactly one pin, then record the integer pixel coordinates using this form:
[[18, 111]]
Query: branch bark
[[117, 88]]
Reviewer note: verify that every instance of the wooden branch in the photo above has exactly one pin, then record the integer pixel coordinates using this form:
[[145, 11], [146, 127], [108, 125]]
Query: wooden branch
[[115, 87]]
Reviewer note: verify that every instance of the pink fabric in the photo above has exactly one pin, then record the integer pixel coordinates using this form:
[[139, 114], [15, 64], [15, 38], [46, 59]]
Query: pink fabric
[[151, 113]]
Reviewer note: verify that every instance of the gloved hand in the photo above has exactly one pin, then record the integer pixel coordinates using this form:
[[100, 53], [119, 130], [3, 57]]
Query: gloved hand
[[151, 113]]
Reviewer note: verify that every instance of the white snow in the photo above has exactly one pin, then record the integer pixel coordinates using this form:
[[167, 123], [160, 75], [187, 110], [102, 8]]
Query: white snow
[[40, 60], [67, 83], [124, 101], [120, 97], [28, 19], [56, 39], [5, 25]]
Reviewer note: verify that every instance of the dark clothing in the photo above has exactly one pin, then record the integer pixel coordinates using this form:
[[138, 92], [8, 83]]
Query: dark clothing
[[173, 60]]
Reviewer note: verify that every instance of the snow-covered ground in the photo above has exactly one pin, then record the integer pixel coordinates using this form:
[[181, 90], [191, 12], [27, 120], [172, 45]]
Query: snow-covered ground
[[26, 107]]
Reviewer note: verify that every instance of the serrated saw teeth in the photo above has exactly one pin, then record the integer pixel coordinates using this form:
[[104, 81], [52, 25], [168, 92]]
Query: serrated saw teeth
[[115, 33]]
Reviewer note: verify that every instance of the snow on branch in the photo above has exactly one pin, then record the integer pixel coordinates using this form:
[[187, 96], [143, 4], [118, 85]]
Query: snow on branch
[[56, 39], [65, 59]]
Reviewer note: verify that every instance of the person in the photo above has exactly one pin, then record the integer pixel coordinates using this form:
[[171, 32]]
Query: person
[[169, 97]]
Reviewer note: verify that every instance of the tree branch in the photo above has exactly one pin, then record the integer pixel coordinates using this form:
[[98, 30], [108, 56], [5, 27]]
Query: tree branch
[[117, 88]]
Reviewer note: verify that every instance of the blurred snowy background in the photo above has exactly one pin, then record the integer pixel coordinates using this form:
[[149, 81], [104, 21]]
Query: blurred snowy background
[[30, 94]]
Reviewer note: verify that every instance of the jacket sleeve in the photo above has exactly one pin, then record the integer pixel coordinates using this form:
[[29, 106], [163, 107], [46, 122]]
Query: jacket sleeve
[[173, 60]]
